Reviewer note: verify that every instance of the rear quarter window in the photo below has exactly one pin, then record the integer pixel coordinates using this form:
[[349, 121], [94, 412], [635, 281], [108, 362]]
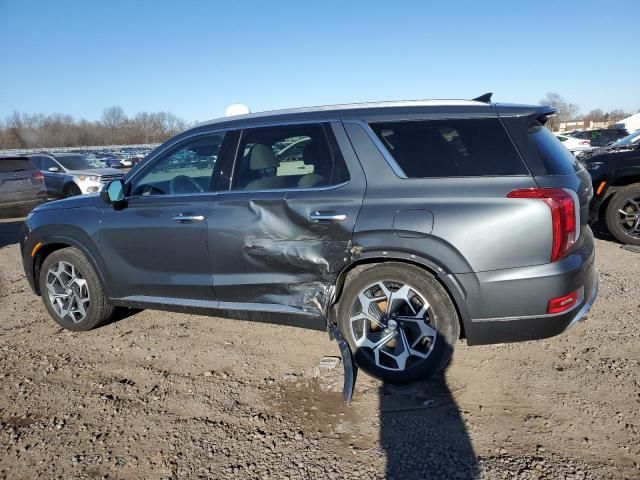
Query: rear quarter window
[[10, 165], [555, 157], [451, 148]]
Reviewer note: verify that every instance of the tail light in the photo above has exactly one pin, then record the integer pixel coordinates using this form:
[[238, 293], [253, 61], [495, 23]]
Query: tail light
[[563, 216], [562, 304], [38, 176]]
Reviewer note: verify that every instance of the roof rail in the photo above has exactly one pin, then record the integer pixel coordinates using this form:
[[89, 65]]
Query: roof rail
[[486, 98]]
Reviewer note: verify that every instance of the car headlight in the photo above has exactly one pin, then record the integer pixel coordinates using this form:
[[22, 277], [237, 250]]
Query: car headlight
[[593, 165], [91, 178]]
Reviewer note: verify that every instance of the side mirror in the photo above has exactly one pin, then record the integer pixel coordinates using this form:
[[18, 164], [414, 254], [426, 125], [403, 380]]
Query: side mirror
[[54, 169], [113, 192]]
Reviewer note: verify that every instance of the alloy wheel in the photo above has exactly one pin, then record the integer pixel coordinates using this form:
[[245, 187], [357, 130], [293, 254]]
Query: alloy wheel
[[629, 217], [390, 322], [67, 291]]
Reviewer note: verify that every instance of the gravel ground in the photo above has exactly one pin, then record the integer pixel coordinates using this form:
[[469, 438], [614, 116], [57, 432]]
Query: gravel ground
[[163, 395]]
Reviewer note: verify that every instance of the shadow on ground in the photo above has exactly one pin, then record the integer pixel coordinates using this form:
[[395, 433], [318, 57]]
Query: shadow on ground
[[423, 433], [10, 231]]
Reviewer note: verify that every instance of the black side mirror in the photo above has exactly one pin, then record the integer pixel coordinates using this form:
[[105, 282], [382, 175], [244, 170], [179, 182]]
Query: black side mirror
[[113, 192]]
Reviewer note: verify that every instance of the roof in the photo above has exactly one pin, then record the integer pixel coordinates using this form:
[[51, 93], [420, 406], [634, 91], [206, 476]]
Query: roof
[[374, 111]]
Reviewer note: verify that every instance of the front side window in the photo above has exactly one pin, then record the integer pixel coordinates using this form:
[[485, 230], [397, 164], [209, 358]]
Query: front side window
[[183, 170], [450, 148], [285, 157], [47, 163]]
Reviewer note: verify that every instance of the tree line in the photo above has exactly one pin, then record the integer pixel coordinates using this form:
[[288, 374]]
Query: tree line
[[568, 111], [21, 130]]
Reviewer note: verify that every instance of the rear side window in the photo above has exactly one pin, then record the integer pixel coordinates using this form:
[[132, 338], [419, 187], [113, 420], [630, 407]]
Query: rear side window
[[10, 165], [552, 154], [451, 148]]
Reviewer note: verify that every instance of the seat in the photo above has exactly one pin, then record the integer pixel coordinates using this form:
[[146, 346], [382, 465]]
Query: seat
[[263, 162], [315, 179]]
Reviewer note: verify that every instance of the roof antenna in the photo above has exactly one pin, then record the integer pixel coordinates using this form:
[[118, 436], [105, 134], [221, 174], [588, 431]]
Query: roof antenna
[[486, 98]]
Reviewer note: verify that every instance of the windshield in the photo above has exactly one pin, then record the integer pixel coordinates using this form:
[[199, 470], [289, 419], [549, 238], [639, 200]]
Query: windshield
[[80, 162], [628, 140]]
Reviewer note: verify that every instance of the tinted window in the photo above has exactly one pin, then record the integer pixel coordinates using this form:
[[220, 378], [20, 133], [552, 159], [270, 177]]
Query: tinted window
[[183, 170], [36, 162], [555, 157], [10, 165], [292, 156], [451, 148]]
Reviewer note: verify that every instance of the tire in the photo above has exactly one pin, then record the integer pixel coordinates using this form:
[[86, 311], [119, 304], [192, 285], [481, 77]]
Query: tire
[[84, 294], [430, 334], [71, 190], [626, 199]]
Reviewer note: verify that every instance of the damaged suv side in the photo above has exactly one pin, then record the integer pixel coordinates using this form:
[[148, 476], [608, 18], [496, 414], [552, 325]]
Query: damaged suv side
[[408, 225]]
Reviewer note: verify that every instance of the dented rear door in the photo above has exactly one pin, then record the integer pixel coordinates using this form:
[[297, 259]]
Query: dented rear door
[[281, 251]]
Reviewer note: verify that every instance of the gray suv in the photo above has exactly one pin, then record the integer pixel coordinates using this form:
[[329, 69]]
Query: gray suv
[[408, 225], [69, 174]]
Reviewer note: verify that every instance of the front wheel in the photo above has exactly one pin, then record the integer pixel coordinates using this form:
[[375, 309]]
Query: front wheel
[[71, 291], [623, 215], [399, 321], [72, 190]]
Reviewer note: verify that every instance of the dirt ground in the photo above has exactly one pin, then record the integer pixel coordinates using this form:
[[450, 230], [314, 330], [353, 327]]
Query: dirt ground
[[163, 395]]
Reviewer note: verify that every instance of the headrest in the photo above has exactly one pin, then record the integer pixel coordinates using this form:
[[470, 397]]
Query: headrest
[[262, 157]]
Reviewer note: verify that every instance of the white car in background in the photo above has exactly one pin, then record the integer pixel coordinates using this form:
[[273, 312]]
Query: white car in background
[[575, 144]]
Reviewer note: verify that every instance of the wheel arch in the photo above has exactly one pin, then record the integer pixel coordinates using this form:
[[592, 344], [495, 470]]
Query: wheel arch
[[58, 243], [444, 277]]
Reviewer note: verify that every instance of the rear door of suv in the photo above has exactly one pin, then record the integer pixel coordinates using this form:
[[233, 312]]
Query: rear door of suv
[[282, 230]]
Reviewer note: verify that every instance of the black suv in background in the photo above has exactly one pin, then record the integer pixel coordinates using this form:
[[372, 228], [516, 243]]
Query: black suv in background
[[615, 172], [602, 137], [406, 224]]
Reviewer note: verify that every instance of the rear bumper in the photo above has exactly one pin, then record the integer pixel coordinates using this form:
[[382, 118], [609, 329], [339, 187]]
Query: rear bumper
[[510, 305]]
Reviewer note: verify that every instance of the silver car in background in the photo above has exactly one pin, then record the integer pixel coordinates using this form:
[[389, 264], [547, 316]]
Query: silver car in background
[[69, 174], [21, 187]]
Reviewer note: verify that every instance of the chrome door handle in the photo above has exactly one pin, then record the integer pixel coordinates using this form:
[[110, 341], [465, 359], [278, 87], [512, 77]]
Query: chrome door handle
[[327, 217], [182, 218]]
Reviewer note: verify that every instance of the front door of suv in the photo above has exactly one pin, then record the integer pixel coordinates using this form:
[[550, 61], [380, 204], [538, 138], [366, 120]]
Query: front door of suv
[[283, 231], [155, 247]]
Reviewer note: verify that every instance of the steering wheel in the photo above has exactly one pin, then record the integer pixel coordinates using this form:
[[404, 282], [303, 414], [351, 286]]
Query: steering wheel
[[183, 184]]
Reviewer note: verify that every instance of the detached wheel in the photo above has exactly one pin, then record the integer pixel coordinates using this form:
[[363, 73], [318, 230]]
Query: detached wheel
[[71, 291], [623, 215], [72, 190], [399, 322]]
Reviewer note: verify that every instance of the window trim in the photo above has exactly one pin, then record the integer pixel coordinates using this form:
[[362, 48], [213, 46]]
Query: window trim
[[325, 124]]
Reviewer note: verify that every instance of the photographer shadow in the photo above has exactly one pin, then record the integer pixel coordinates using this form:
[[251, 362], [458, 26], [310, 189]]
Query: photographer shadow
[[423, 433]]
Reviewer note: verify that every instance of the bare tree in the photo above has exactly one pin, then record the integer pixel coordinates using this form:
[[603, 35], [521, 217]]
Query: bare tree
[[113, 118], [565, 111]]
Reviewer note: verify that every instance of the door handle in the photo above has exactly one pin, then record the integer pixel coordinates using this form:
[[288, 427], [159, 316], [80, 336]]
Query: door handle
[[187, 218], [327, 217]]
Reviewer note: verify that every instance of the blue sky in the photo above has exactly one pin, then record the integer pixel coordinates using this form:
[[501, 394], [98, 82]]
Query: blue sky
[[194, 58]]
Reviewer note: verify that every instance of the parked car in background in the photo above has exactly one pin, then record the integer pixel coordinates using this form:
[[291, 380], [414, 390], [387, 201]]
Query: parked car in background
[[615, 172], [602, 137], [21, 187], [69, 174], [574, 144], [629, 140], [411, 224]]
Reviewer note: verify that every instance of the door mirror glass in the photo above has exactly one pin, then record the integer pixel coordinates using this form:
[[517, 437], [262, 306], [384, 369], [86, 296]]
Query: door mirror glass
[[114, 192], [54, 169]]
